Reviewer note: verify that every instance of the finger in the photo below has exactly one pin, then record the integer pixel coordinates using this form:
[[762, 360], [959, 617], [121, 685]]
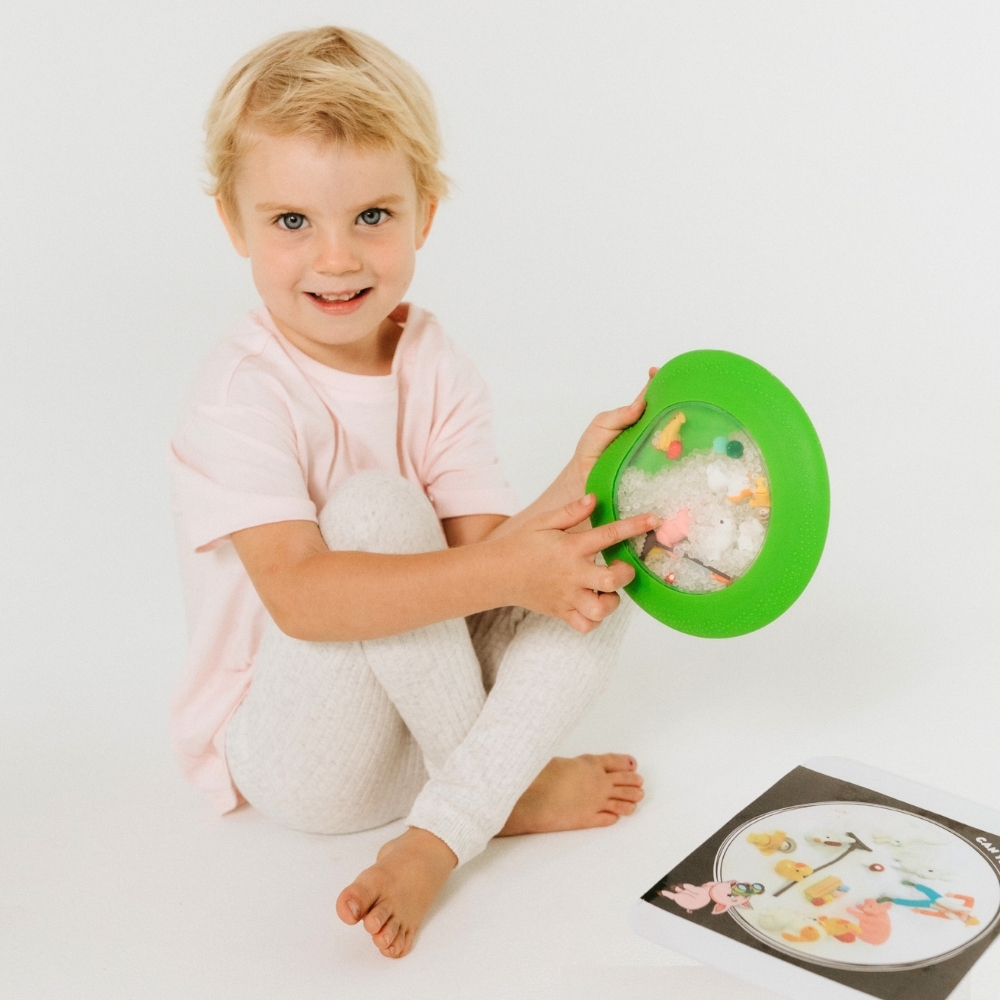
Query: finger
[[615, 421], [605, 535], [570, 515], [578, 622], [641, 398], [596, 607], [606, 426], [608, 579]]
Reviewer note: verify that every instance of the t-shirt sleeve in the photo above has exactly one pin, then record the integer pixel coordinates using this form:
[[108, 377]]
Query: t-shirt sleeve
[[234, 464], [462, 473]]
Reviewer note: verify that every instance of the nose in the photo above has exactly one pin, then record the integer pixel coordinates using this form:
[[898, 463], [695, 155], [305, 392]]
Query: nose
[[336, 254]]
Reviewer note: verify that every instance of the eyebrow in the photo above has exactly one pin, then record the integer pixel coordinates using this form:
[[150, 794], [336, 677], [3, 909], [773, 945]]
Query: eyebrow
[[274, 206]]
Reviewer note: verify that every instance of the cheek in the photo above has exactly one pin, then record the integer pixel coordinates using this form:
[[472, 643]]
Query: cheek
[[394, 259], [273, 266]]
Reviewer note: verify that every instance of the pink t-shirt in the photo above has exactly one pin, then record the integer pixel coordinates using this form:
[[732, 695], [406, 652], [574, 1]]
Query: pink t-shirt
[[268, 434]]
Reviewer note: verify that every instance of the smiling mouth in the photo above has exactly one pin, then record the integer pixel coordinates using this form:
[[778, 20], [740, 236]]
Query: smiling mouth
[[338, 297]]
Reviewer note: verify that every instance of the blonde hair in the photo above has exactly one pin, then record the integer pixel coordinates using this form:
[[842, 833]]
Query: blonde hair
[[331, 84]]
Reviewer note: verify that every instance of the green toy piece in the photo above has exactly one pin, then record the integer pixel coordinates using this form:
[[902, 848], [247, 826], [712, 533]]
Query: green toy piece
[[695, 403]]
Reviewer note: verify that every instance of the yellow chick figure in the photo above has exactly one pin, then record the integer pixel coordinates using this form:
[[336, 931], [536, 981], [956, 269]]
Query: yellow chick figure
[[795, 871], [670, 433], [769, 843], [761, 496]]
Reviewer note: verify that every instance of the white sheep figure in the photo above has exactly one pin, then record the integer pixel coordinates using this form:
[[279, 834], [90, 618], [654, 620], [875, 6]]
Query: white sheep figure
[[915, 854], [716, 538], [918, 863]]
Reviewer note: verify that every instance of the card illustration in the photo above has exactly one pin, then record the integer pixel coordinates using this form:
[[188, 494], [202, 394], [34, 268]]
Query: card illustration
[[873, 893]]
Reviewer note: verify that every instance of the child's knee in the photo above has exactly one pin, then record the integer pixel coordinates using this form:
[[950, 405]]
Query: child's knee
[[377, 511]]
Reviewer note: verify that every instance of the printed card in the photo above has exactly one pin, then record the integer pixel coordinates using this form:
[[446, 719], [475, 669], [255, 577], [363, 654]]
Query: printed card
[[829, 888]]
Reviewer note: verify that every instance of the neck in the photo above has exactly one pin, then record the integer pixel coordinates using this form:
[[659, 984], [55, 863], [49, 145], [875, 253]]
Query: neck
[[372, 355]]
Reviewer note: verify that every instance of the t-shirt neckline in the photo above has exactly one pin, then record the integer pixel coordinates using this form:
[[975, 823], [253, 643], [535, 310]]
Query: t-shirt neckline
[[334, 377]]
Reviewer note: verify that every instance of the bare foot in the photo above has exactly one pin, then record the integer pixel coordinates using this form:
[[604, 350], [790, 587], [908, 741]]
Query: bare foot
[[573, 793], [392, 897]]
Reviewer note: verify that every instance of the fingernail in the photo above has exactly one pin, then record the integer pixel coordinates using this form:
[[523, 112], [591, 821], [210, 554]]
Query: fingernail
[[354, 908]]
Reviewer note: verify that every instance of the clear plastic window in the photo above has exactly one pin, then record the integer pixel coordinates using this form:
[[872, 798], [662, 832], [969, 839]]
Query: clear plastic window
[[699, 470]]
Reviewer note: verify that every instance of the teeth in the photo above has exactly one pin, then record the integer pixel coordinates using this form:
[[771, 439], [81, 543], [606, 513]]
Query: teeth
[[345, 297]]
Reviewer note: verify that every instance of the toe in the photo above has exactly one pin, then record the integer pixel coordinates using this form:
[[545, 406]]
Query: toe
[[617, 762], [626, 778], [388, 934], [354, 902], [620, 807], [606, 818], [376, 919], [627, 793], [401, 946]]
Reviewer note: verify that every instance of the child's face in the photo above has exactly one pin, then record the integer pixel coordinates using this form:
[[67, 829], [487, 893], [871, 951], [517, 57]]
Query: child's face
[[332, 233]]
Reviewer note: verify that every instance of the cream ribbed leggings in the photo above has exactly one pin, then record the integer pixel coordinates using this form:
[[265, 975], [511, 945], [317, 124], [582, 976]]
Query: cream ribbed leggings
[[449, 723]]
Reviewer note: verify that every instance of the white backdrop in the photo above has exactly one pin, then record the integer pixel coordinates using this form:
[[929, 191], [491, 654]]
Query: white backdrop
[[813, 185]]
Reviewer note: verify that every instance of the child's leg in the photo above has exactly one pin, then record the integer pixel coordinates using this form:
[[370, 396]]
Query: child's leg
[[317, 745], [334, 737], [546, 675], [542, 675]]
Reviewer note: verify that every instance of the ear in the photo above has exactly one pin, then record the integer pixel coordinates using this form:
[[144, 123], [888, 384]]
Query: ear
[[235, 236], [719, 908], [430, 210]]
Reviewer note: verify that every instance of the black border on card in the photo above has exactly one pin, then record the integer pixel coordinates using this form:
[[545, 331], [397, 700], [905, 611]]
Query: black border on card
[[804, 786]]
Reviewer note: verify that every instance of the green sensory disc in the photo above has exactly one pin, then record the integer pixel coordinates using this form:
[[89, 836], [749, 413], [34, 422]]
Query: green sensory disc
[[728, 459]]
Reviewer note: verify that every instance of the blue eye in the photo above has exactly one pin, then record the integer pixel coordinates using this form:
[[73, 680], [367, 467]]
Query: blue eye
[[291, 220], [372, 216]]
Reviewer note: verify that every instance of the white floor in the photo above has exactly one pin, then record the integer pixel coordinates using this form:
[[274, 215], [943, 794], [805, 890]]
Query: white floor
[[118, 882], [811, 185]]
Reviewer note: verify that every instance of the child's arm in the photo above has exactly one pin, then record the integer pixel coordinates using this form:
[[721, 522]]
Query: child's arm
[[534, 559], [313, 593]]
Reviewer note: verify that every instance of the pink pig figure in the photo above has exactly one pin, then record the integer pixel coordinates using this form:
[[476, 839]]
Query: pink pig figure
[[676, 529], [694, 897], [874, 920]]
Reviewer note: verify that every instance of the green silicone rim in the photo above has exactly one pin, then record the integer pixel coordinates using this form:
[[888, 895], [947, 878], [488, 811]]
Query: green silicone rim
[[799, 484]]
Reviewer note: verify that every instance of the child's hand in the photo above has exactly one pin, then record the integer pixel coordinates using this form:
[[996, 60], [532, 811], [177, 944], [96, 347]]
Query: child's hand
[[553, 571], [603, 429]]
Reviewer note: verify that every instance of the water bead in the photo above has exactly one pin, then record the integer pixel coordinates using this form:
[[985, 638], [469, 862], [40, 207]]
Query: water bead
[[734, 448], [682, 484], [719, 445]]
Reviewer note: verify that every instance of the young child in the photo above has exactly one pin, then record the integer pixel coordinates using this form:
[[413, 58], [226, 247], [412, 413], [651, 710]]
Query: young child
[[375, 633]]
